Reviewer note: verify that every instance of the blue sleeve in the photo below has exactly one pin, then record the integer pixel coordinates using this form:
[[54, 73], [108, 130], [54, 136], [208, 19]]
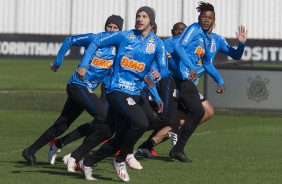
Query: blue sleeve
[[235, 54], [184, 40], [161, 60], [150, 74], [154, 93], [169, 45], [77, 40], [104, 39], [211, 70], [209, 67]]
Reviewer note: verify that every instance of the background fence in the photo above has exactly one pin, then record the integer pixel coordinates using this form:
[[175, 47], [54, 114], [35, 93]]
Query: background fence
[[68, 17]]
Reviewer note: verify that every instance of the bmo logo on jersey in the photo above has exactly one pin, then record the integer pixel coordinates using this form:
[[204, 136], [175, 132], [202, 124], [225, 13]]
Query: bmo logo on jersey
[[102, 63], [200, 51], [132, 64]]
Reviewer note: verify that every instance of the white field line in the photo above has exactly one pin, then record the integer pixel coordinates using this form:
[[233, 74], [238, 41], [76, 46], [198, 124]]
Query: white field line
[[205, 133]]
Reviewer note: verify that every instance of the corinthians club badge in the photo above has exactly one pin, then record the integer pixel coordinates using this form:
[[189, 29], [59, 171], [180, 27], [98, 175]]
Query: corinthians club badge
[[258, 91]]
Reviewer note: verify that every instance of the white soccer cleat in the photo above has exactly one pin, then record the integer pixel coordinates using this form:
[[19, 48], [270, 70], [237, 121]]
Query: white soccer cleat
[[132, 162], [53, 152], [121, 170], [65, 159], [87, 171], [71, 164], [173, 137]]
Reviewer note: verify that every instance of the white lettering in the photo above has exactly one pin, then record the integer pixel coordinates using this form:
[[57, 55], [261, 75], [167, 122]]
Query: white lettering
[[127, 85], [29, 48], [266, 54], [273, 53], [257, 54]]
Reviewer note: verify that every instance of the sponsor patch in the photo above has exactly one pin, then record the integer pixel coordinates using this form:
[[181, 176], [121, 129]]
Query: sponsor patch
[[132, 36], [151, 39]]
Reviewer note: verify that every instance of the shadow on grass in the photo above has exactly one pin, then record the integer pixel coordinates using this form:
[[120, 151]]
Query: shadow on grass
[[161, 158], [59, 170]]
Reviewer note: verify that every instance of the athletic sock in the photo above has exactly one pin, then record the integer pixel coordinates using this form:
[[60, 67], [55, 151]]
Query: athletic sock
[[59, 144], [179, 147], [149, 144]]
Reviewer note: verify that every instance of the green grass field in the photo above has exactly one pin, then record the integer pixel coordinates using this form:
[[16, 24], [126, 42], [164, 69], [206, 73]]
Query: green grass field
[[231, 148]]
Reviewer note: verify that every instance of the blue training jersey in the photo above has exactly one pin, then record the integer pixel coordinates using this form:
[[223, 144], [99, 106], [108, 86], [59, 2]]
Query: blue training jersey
[[98, 65], [135, 56], [217, 44]]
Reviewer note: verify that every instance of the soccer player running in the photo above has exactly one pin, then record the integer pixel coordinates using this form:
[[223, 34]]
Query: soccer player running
[[136, 51], [113, 23], [207, 22], [71, 159], [218, 44], [190, 50], [80, 92], [166, 89]]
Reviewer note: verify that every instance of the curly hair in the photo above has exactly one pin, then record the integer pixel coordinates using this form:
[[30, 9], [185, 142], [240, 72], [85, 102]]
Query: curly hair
[[204, 6]]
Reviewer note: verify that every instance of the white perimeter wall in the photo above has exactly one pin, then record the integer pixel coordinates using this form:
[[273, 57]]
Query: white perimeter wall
[[68, 17]]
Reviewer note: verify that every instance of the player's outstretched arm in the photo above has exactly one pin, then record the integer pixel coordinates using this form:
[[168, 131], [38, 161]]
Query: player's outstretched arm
[[242, 34]]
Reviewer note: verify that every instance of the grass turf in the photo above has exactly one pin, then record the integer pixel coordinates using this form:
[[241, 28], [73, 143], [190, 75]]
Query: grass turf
[[227, 149], [233, 147]]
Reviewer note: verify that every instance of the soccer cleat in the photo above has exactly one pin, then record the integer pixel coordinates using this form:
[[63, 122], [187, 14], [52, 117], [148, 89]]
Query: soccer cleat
[[179, 156], [87, 171], [145, 152], [71, 164], [121, 170], [132, 162], [154, 153], [53, 152], [173, 137], [65, 159], [29, 157]]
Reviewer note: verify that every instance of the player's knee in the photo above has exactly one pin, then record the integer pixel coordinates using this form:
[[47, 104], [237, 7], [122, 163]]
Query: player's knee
[[107, 132], [209, 112], [104, 132], [140, 127]]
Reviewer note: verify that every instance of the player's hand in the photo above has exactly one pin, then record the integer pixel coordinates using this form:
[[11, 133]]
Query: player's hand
[[168, 55], [81, 73], [53, 67], [242, 34], [156, 74], [160, 106], [220, 89], [193, 75]]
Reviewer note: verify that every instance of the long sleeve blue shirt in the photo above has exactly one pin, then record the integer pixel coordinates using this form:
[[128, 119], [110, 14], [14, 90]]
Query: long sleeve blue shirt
[[135, 56]]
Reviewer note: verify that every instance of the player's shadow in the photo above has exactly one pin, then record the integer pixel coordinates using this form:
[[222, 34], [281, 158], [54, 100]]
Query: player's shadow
[[57, 169], [23, 163], [161, 158]]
